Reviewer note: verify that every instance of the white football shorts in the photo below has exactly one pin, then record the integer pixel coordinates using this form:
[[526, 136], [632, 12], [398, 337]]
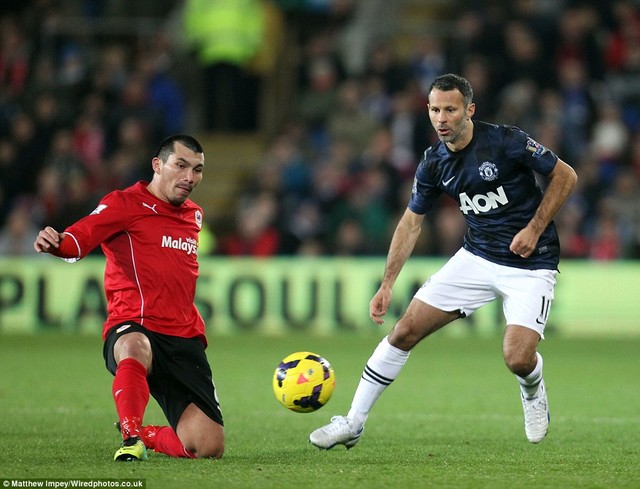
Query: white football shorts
[[467, 282]]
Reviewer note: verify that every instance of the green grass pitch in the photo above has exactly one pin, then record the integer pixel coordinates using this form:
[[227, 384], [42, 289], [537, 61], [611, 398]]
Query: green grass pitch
[[453, 418]]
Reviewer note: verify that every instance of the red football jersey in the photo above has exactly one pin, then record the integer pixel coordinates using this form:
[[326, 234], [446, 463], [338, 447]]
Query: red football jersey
[[151, 250]]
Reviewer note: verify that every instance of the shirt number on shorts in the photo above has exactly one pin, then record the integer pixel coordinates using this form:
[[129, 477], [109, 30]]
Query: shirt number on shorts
[[544, 310]]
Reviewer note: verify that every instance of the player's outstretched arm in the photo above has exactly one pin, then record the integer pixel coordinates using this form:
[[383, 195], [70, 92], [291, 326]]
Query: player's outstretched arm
[[47, 240], [402, 244], [562, 180]]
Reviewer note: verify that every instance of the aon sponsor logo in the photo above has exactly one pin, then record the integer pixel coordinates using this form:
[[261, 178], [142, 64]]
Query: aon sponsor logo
[[189, 245], [483, 203]]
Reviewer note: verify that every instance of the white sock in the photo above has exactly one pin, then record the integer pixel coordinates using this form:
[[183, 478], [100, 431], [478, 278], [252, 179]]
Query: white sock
[[381, 369], [529, 384]]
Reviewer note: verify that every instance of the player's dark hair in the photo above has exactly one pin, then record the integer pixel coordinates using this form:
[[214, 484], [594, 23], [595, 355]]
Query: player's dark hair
[[166, 147], [449, 82]]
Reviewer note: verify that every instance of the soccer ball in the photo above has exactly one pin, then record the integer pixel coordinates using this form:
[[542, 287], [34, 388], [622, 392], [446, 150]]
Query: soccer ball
[[303, 382]]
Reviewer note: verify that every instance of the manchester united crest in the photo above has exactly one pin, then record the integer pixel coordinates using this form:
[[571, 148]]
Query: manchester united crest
[[488, 171]]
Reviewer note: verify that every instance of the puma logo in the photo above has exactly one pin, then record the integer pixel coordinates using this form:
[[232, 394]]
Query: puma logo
[[152, 207], [123, 328]]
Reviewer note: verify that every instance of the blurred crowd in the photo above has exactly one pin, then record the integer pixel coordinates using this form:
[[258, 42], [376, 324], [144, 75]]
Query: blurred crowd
[[78, 119]]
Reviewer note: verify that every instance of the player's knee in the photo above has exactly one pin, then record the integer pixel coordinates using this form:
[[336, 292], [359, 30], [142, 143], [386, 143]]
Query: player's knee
[[133, 345], [518, 363], [519, 349], [403, 338], [208, 450], [419, 321], [406, 333], [203, 441]]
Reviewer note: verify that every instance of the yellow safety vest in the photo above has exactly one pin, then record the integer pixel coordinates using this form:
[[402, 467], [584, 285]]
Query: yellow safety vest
[[225, 30]]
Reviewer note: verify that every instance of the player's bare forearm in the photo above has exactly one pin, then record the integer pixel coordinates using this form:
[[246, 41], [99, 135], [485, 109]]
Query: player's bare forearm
[[402, 244], [562, 180]]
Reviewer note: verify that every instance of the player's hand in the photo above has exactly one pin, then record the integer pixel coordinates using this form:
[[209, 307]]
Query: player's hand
[[524, 243], [47, 240], [379, 305]]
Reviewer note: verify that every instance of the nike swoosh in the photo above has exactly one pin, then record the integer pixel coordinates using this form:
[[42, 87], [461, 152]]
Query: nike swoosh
[[447, 182]]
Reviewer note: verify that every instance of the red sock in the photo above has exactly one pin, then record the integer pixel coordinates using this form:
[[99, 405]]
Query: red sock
[[131, 395], [166, 441]]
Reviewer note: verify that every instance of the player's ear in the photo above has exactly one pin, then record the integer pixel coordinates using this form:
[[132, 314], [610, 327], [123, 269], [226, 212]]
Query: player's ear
[[156, 163], [471, 109]]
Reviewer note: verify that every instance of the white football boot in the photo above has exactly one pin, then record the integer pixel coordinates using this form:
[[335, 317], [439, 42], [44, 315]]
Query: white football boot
[[536, 415], [338, 432]]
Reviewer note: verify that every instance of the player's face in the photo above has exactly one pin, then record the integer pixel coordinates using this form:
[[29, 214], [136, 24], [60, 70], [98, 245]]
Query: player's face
[[174, 180], [451, 118]]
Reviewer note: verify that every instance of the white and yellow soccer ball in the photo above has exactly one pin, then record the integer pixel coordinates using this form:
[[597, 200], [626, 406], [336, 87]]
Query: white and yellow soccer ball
[[304, 382]]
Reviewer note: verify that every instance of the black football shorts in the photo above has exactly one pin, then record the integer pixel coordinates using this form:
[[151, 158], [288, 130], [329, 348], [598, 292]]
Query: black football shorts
[[180, 372]]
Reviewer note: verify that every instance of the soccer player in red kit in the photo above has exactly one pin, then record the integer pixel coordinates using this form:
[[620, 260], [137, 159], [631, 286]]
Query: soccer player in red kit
[[154, 337]]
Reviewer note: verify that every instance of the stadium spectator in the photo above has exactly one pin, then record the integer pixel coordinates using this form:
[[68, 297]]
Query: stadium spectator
[[511, 251], [154, 337], [606, 244], [375, 100], [256, 234], [578, 108], [634, 155], [427, 60], [622, 59], [30, 151], [364, 203], [90, 138], [576, 40], [350, 239], [449, 228], [478, 70], [624, 199], [574, 243], [16, 238], [332, 173], [621, 51], [110, 73], [303, 231], [10, 175], [517, 103], [15, 52], [227, 35], [383, 62], [48, 198], [524, 55], [467, 39], [363, 25], [164, 91], [609, 139], [134, 117], [349, 121], [63, 157], [318, 97]]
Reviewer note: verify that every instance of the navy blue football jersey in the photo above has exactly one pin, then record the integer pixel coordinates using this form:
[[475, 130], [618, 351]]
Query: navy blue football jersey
[[493, 182]]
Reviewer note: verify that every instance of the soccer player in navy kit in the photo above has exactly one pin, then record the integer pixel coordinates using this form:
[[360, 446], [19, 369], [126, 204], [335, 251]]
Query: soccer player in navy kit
[[510, 250], [154, 337]]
